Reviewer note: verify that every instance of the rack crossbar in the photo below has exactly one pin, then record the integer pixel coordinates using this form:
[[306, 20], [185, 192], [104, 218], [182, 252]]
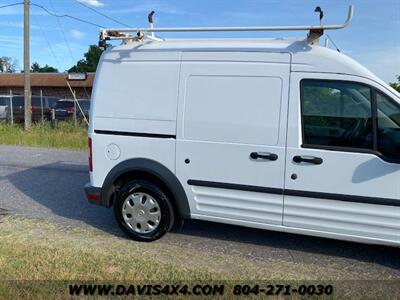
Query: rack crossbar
[[107, 33]]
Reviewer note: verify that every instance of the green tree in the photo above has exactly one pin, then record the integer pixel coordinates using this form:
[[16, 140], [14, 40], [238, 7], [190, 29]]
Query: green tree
[[36, 68], [8, 64], [396, 85], [89, 63]]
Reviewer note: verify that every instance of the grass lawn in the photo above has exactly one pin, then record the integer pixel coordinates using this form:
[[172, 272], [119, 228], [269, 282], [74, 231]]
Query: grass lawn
[[64, 135], [45, 257]]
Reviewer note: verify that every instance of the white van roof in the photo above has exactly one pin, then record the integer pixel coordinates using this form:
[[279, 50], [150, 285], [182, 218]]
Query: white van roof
[[305, 57]]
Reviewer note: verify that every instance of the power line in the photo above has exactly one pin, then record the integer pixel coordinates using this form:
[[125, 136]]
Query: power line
[[13, 4], [50, 47], [102, 14], [54, 14], [67, 44], [59, 65], [61, 28], [65, 16]]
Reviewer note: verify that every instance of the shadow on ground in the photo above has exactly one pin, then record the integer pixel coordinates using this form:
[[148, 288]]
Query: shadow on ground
[[59, 187]]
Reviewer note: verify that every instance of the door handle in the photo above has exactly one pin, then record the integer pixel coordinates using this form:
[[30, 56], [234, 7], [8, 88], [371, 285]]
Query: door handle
[[263, 155], [308, 159]]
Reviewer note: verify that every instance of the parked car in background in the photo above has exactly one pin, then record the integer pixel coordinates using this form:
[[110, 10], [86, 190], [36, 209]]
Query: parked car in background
[[66, 109], [18, 105], [85, 105], [51, 102], [17, 113], [4, 102]]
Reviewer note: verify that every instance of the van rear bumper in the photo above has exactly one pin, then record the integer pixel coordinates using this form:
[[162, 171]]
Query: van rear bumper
[[93, 194]]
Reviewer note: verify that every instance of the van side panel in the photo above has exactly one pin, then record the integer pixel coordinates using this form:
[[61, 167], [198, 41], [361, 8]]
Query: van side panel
[[134, 109], [231, 105], [137, 95], [110, 150]]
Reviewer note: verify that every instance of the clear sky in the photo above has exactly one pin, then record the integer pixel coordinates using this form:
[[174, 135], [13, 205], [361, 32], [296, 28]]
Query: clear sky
[[373, 38]]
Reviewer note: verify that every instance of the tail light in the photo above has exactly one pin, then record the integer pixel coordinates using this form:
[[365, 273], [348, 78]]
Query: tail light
[[33, 109], [90, 155], [71, 109]]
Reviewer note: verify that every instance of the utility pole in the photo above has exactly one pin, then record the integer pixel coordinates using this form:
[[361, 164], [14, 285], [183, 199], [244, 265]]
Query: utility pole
[[27, 75]]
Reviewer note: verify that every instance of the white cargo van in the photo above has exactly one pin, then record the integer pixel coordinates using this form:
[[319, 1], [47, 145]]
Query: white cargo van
[[281, 135]]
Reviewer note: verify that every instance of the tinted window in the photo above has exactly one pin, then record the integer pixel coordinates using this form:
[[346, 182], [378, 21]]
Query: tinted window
[[388, 115], [52, 101], [35, 101], [18, 101], [336, 114], [64, 104], [4, 101], [85, 105]]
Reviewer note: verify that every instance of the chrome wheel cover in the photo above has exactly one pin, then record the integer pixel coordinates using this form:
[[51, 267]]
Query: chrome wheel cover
[[141, 212]]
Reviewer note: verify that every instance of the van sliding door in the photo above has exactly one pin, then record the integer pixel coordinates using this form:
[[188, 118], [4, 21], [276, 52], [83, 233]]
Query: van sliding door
[[231, 134]]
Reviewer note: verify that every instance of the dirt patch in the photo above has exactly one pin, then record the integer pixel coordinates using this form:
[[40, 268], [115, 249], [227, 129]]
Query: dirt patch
[[3, 213]]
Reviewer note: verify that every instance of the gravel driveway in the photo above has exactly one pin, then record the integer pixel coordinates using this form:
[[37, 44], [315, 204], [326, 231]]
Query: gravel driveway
[[47, 183]]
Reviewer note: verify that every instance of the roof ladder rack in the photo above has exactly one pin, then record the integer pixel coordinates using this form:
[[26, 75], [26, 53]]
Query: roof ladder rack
[[315, 31]]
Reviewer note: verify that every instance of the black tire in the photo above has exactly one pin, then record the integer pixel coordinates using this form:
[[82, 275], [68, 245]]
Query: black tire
[[166, 209]]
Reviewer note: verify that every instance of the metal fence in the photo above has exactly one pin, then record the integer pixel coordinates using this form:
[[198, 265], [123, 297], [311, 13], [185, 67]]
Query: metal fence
[[43, 108]]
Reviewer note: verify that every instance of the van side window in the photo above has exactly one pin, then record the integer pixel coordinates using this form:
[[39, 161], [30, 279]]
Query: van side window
[[336, 114], [234, 109], [388, 115]]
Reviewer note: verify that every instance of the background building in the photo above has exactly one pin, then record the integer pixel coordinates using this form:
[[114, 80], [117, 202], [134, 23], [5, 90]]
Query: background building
[[51, 84]]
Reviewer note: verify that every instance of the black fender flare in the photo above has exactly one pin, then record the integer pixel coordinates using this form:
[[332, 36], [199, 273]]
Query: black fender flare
[[154, 168]]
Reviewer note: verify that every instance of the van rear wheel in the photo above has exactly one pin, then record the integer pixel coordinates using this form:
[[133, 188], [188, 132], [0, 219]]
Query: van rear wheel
[[143, 211]]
